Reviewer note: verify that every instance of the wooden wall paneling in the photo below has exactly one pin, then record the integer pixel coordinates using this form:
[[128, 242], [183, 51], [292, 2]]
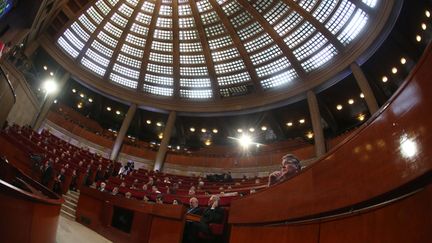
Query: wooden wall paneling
[[165, 230]]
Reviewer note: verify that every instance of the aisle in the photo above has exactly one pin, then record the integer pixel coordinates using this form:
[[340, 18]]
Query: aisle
[[69, 231]]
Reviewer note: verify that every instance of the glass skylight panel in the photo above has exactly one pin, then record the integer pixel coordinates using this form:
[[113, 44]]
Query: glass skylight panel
[[288, 23], [234, 91], [162, 69], [139, 29], [161, 58], [265, 55], [165, 10], [196, 94], [67, 47], [275, 13], [96, 57], [94, 15], [132, 2], [221, 1], [278, 80], [80, 31], [187, 22], [203, 6], [209, 18], [148, 7], [258, 43], [224, 55], [241, 19], [262, 5], [231, 8], [311, 46], [233, 79], [143, 18], [119, 20], [150, 78], [162, 34], [123, 81], [73, 39], [188, 34], [129, 61], [103, 7], [191, 47], [215, 30], [299, 35], [323, 11], [107, 39], [273, 67], [354, 27], [320, 58], [183, 1], [341, 16], [158, 90], [195, 82], [192, 59], [193, 71], [184, 10], [164, 22], [125, 71], [220, 42], [113, 2], [308, 4], [125, 10], [87, 23], [162, 46], [92, 66], [110, 28], [370, 3], [167, 1], [135, 40], [228, 67], [101, 48], [249, 31], [132, 51]]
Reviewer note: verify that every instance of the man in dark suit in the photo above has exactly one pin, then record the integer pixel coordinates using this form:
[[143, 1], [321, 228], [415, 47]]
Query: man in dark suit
[[194, 209], [47, 173], [212, 214]]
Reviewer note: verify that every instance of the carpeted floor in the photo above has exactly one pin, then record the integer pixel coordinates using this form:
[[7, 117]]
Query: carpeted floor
[[69, 231]]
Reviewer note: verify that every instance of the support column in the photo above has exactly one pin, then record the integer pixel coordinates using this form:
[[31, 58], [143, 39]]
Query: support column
[[121, 134], [364, 87], [316, 124], [48, 101], [160, 157]]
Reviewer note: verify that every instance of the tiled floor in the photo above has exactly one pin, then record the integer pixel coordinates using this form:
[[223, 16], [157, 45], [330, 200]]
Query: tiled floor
[[69, 231]]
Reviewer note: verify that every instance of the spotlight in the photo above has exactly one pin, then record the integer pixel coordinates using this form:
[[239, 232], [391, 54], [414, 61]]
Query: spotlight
[[245, 141], [50, 86]]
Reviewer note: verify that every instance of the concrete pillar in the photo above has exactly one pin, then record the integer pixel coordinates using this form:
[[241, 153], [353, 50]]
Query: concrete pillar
[[48, 101], [316, 124], [160, 157], [365, 88], [122, 133]]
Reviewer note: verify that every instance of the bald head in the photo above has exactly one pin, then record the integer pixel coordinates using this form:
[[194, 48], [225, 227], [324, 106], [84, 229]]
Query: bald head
[[193, 202]]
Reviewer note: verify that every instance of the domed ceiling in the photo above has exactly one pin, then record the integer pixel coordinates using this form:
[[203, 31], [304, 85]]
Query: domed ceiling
[[218, 55]]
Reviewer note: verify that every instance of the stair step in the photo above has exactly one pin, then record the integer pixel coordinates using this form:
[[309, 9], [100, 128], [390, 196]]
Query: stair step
[[68, 209], [70, 204], [68, 215], [74, 196], [70, 199]]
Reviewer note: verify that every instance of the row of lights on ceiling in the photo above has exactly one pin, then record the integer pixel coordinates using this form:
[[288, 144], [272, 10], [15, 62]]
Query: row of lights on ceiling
[[50, 73], [159, 124], [423, 26], [350, 102], [82, 96], [394, 70]]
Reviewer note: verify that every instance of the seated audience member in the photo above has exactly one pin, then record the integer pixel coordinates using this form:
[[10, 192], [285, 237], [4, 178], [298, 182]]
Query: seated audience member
[[212, 214], [47, 173], [128, 195], [146, 199], [192, 191], [58, 181], [159, 199], [290, 167], [74, 184], [115, 191], [193, 206], [176, 202], [102, 187]]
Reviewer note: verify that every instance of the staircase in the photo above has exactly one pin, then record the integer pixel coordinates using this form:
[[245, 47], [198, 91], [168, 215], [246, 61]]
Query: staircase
[[68, 208]]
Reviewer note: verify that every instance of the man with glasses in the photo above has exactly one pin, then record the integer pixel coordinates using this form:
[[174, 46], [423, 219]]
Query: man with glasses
[[290, 167]]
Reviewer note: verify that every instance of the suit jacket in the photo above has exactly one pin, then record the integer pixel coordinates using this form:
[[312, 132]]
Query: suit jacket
[[196, 211], [212, 215]]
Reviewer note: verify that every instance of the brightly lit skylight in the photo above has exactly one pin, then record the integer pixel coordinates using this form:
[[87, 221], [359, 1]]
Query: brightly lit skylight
[[223, 47]]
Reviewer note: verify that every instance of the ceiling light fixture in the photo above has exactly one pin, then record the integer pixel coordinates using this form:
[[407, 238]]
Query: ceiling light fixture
[[384, 79], [309, 135], [351, 101], [79, 105], [51, 74], [403, 60], [82, 95], [90, 100], [361, 117], [160, 136], [423, 26], [427, 13], [215, 130], [251, 129], [207, 142], [118, 112], [148, 122], [362, 95], [45, 68], [73, 90], [192, 129], [289, 124], [159, 124], [108, 108], [239, 130], [339, 107], [302, 121], [394, 70], [203, 130], [418, 38], [245, 141], [263, 128]]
